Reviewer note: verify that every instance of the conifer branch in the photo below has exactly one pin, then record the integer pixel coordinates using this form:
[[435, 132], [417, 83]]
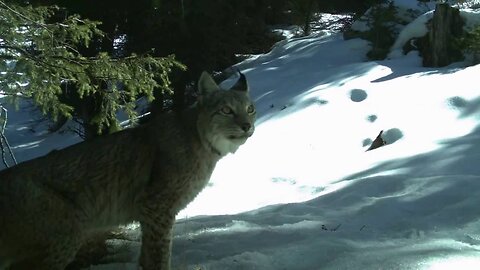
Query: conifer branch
[[22, 16]]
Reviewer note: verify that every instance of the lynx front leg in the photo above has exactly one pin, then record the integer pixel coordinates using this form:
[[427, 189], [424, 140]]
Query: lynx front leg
[[56, 256], [156, 244], [62, 252]]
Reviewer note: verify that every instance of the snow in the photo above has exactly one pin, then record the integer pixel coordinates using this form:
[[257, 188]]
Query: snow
[[415, 29], [418, 28], [303, 193]]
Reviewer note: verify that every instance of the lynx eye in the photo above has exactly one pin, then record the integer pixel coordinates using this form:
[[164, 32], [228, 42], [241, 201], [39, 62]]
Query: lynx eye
[[226, 110], [250, 109]]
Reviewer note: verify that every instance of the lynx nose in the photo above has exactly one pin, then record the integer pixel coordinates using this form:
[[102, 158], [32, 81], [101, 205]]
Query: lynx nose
[[246, 126]]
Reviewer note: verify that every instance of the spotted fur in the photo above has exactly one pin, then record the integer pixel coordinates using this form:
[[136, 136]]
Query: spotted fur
[[50, 205]]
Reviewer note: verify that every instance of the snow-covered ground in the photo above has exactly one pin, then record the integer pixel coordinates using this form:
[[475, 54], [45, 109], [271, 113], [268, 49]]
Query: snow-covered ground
[[303, 193]]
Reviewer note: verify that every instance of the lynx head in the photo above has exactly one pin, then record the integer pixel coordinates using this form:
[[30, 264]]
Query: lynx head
[[226, 117]]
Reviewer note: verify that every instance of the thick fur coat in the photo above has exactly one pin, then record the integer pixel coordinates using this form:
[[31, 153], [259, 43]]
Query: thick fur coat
[[50, 205]]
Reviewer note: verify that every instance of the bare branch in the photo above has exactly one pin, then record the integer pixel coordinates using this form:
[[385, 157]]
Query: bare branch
[[3, 139]]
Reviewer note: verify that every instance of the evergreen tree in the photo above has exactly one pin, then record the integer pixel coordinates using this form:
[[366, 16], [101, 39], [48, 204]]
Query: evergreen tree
[[381, 20], [38, 56], [303, 11], [471, 43], [208, 35]]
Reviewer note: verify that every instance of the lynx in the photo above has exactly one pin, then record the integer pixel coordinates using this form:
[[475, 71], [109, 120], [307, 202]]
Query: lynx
[[50, 205]]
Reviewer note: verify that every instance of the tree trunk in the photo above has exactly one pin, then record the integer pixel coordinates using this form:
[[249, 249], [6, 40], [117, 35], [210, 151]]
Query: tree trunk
[[445, 29], [307, 29]]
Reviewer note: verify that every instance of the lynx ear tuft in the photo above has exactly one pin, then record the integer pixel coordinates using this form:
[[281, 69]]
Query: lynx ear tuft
[[241, 84], [206, 84]]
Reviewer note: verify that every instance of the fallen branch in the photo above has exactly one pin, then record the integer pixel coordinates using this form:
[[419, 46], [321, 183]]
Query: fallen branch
[[378, 142]]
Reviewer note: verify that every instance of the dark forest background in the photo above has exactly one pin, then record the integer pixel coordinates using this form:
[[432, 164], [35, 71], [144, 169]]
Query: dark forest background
[[87, 71], [202, 34]]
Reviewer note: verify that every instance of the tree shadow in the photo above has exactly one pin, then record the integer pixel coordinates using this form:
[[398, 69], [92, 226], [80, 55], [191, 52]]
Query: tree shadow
[[406, 68], [436, 198], [454, 157], [279, 100]]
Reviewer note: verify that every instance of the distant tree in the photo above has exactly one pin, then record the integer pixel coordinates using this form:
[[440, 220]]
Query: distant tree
[[276, 12], [39, 56], [442, 45], [381, 20], [471, 43], [382, 28], [209, 35], [304, 11], [203, 34]]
